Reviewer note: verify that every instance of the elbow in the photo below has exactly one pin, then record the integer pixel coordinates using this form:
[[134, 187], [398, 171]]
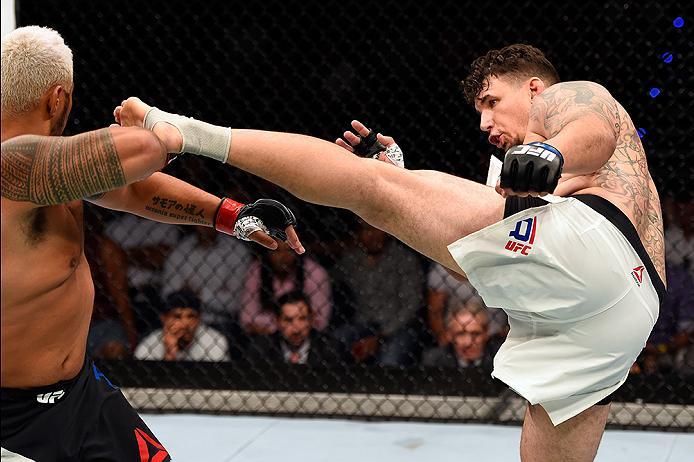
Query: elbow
[[141, 152], [607, 143], [151, 146]]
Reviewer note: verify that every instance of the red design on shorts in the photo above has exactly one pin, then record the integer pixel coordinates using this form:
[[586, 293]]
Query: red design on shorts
[[144, 441], [524, 235], [637, 274]]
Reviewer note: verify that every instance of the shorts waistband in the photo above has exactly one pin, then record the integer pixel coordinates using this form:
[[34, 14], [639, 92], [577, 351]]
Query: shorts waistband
[[21, 394], [610, 211]]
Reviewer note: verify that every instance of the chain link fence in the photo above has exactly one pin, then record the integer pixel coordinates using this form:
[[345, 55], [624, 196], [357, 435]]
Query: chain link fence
[[383, 322]]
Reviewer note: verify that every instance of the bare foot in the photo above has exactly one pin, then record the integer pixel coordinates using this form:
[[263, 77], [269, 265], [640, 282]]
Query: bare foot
[[131, 113]]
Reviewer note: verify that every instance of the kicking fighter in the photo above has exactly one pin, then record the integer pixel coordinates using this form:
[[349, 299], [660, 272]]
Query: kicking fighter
[[567, 267]]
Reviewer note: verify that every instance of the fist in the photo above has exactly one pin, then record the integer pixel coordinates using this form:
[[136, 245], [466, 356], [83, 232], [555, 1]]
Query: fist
[[531, 169]]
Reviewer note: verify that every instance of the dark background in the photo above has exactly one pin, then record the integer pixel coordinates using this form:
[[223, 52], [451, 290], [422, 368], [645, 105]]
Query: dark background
[[312, 66]]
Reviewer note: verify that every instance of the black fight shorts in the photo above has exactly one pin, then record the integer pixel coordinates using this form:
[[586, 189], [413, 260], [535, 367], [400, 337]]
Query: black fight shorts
[[82, 419]]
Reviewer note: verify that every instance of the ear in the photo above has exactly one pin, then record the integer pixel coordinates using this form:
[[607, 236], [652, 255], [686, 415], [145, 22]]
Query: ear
[[536, 86], [56, 99]]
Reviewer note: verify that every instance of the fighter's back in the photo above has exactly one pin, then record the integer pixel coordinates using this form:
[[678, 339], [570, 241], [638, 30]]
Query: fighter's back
[[624, 179]]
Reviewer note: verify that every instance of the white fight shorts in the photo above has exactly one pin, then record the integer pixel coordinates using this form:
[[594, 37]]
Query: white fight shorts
[[581, 296]]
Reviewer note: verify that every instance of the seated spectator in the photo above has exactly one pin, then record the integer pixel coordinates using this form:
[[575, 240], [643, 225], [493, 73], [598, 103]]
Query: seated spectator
[[183, 337], [296, 341], [112, 332], [674, 326], [684, 355], [385, 283], [679, 233], [214, 266], [468, 329], [277, 273], [146, 244], [445, 292]]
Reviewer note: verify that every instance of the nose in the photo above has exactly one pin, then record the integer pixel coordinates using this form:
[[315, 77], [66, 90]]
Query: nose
[[486, 123]]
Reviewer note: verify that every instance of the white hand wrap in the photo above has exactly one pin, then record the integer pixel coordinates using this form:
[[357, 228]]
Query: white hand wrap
[[245, 226], [395, 155], [199, 137]]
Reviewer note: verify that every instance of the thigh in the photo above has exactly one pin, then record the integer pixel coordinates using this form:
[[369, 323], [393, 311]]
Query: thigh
[[429, 210], [575, 440], [121, 434]]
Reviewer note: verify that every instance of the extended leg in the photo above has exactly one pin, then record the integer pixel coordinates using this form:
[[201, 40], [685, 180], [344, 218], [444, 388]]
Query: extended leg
[[427, 212]]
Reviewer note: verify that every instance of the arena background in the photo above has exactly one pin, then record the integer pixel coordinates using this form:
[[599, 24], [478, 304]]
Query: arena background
[[311, 67]]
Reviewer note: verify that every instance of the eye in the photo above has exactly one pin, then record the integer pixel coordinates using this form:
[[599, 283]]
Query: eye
[[492, 102]]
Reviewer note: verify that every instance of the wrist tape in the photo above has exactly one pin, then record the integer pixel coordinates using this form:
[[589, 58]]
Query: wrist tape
[[199, 137]]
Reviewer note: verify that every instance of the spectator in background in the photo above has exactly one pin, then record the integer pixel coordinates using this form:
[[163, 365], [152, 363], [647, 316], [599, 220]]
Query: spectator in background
[[468, 330], [214, 266], [112, 332], [445, 293], [386, 286], [146, 244], [276, 274], [679, 233], [675, 325], [296, 341], [183, 337]]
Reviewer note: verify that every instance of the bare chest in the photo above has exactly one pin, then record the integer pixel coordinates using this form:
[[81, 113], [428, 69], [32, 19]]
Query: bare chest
[[41, 250]]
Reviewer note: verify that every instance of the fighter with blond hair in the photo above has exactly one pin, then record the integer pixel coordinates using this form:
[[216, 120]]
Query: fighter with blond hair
[[56, 405], [570, 244]]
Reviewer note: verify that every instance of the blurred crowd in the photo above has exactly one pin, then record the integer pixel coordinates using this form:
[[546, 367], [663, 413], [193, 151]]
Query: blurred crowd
[[189, 293]]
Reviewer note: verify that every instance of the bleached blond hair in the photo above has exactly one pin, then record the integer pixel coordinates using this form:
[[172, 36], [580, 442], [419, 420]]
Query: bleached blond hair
[[34, 59]]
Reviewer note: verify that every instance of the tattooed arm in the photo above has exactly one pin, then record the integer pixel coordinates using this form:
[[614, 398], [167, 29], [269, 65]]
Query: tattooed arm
[[581, 120], [46, 170], [163, 198]]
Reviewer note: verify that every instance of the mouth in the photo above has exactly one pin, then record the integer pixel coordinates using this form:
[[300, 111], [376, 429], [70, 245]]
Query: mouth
[[496, 140]]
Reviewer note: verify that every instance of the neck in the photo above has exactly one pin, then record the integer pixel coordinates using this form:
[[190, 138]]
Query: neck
[[27, 124]]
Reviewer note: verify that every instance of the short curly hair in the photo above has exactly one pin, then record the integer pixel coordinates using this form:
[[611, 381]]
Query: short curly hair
[[521, 60]]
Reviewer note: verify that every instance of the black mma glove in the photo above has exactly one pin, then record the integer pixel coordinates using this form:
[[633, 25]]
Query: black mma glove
[[368, 145], [240, 220], [532, 167]]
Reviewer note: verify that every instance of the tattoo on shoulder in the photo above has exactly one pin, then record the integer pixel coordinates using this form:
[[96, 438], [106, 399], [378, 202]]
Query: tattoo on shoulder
[[54, 170], [565, 102]]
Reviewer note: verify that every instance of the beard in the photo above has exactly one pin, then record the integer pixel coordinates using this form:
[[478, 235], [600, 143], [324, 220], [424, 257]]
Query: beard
[[60, 122]]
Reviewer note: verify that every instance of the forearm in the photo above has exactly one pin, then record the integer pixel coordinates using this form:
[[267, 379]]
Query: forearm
[[53, 170], [164, 198], [586, 146]]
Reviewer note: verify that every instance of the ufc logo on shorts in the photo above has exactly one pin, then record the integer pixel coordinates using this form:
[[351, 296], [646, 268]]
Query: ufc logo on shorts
[[525, 233], [50, 398], [534, 151]]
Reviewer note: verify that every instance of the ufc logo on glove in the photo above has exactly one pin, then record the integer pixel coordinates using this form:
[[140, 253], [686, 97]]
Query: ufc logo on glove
[[533, 151]]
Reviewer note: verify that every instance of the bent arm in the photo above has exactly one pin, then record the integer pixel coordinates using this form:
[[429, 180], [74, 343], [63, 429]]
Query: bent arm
[[581, 120], [44, 170], [163, 198]]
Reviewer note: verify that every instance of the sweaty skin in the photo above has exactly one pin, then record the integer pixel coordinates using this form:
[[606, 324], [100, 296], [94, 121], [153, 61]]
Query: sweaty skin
[[429, 210], [624, 179], [47, 289]]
